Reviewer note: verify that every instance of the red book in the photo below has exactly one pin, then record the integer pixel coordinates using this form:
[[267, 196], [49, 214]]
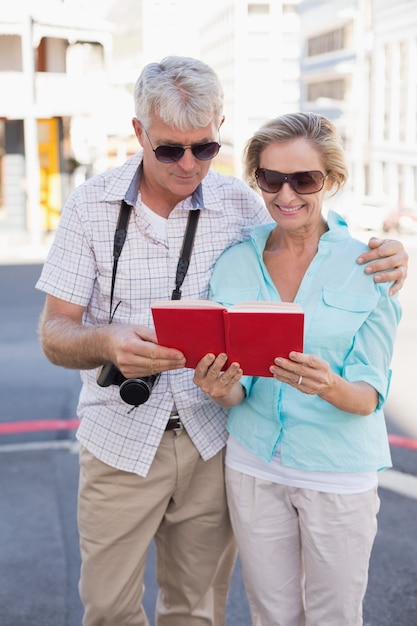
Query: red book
[[250, 333]]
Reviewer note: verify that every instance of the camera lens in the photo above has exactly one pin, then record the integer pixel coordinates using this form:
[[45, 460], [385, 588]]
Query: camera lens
[[136, 391]]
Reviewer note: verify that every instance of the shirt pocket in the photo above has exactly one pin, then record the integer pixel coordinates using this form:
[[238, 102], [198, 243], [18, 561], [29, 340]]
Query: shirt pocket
[[337, 319], [229, 296]]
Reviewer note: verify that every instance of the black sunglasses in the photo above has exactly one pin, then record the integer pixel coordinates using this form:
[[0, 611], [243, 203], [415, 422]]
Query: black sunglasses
[[171, 154], [302, 182]]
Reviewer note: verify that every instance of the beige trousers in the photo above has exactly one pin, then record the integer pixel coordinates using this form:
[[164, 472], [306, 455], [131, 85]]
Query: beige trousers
[[305, 554], [182, 504]]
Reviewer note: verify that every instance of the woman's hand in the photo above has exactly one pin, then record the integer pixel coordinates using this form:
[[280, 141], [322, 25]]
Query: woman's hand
[[391, 262], [314, 376], [223, 387], [305, 372]]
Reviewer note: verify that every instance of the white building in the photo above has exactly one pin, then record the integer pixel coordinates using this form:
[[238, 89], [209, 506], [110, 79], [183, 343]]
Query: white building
[[358, 68], [392, 159], [252, 45], [352, 60], [53, 73]]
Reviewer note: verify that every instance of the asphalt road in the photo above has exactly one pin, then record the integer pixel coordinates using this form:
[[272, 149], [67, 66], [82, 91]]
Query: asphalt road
[[39, 560]]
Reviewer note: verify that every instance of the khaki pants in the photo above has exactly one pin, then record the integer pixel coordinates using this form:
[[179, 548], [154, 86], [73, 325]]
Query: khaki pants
[[182, 504], [304, 554]]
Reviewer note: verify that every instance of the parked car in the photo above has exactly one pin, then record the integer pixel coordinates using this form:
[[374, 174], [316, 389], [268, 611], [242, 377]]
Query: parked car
[[368, 213], [403, 220]]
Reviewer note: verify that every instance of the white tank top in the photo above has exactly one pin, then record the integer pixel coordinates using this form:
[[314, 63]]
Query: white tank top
[[243, 460]]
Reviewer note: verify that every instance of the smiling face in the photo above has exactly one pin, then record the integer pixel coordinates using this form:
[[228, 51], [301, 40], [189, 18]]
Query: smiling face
[[292, 210], [173, 181]]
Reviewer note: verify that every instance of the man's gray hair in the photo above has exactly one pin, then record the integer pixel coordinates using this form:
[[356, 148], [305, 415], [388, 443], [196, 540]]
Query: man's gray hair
[[184, 92]]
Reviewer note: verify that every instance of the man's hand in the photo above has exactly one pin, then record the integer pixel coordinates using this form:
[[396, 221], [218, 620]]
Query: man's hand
[[135, 351], [66, 341], [391, 262]]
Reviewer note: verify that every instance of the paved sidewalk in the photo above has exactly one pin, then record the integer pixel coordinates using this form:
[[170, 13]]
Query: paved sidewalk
[[39, 552], [39, 556], [39, 560]]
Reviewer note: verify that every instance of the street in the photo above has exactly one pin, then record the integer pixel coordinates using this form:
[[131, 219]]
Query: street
[[39, 560]]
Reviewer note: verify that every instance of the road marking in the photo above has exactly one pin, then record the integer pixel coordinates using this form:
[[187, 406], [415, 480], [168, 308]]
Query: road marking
[[67, 444], [404, 484], [402, 442], [9, 428]]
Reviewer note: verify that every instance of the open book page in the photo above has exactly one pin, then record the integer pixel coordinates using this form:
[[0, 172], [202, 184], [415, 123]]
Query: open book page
[[255, 337], [191, 327], [267, 306], [187, 304], [253, 334], [240, 306]]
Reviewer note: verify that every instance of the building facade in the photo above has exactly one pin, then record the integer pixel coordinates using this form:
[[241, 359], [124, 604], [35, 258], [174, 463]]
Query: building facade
[[357, 67], [352, 60], [254, 48], [393, 102], [54, 63]]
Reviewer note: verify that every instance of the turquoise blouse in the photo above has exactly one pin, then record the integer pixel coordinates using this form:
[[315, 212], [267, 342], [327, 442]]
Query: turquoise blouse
[[350, 321]]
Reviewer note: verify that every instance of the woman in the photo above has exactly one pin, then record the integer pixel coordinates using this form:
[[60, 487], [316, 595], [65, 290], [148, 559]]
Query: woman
[[305, 444]]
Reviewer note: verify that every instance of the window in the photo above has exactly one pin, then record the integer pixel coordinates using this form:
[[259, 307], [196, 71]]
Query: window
[[415, 181], [258, 9], [403, 91], [2, 153], [327, 42], [332, 89], [51, 55], [10, 53]]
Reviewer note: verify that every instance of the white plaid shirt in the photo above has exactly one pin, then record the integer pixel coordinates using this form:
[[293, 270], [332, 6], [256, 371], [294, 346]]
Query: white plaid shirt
[[79, 269]]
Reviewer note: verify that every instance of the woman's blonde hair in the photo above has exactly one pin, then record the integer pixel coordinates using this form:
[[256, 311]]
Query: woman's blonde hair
[[319, 131]]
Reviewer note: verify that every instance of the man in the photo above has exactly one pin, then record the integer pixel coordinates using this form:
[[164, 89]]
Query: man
[[154, 470]]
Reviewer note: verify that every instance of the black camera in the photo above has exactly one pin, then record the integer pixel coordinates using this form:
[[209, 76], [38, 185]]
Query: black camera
[[134, 391]]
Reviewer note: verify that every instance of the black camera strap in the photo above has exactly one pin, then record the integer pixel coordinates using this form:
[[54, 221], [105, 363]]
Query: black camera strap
[[119, 240], [187, 248], [183, 262]]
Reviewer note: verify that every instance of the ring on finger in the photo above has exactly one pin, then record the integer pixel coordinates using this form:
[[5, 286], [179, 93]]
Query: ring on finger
[[300, 380]]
